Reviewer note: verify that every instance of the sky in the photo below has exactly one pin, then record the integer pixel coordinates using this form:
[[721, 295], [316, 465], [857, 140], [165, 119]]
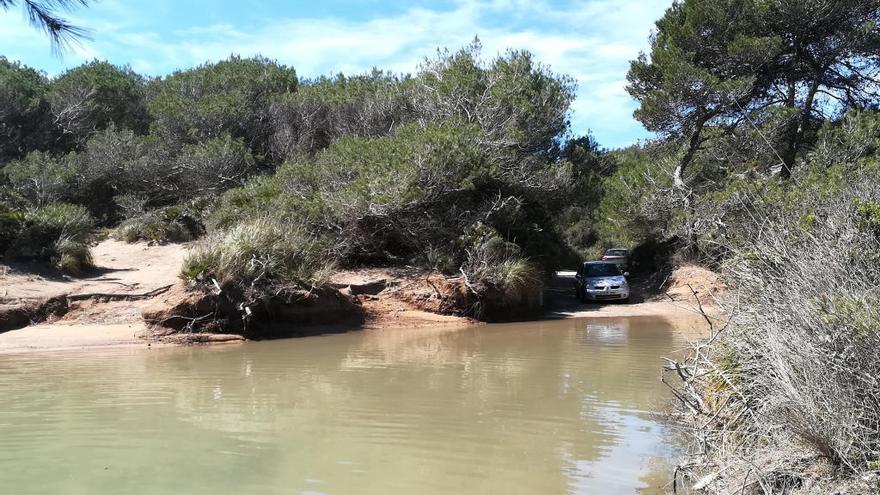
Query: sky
[[590, 40]]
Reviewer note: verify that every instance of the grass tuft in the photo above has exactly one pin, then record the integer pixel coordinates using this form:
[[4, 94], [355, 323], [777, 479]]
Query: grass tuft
[[264, 249]]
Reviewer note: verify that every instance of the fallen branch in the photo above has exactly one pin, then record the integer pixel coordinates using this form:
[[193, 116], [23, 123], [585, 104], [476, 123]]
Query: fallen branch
[[119, 297]]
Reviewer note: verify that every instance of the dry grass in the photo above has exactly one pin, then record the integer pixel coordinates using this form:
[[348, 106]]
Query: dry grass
[[785, 397]]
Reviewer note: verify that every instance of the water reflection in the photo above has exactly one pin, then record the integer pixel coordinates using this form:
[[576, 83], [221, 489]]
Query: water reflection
[[548, 407], [608, 332]]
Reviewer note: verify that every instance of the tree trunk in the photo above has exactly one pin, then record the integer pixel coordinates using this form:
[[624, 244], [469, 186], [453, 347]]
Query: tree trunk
[[789, 154], [797, 132], [686, 191]]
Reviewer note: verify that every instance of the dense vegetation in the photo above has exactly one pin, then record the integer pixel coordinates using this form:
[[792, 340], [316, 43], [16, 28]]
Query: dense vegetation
[[467, 166], [768, 170]]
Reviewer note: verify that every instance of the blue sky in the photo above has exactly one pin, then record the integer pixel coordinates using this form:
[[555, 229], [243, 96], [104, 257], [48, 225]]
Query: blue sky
[[590, 40]]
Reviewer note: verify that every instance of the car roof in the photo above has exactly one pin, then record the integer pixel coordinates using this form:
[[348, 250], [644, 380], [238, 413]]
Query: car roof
[[617, 249], [599, 263]]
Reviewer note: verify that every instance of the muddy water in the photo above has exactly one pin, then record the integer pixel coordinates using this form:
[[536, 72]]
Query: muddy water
[[545, 408]]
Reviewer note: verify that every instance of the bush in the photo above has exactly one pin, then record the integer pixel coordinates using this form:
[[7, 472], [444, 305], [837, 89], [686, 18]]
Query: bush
[[262, 193], [116, 164], [10, 226], [179, 223], [326, 109], [95, 95], [40, 179], [376, 196], [72, 256], [793, 380], [392, 199], [264, 250], [228, 97], [26, 121], [637, 199], [57, 233], [213, 166], [501, 279]]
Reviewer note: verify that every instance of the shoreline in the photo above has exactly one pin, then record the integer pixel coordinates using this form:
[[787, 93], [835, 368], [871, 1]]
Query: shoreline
[[103, 311], [60, 337]]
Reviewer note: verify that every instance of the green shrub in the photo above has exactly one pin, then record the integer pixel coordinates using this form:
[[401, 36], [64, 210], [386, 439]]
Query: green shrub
[[492, 260], [72, 257], [259, 194], [261, 250], [518, 276], [26, 122], [41, 178], [57, 232], [869, 214], [10, 226], [96, 95], [213, 166], [179, 223], [229, 96], [636, 204]]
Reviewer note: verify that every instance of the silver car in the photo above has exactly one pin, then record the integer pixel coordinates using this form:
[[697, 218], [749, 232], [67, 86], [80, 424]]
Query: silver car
[[601, 280], [620, 256]]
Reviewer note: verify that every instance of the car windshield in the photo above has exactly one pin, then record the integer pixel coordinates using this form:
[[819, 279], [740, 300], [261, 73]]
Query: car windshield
[[601, 270], [616, 252]]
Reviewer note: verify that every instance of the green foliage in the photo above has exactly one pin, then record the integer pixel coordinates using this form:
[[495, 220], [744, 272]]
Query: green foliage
[[851, 142], [389, 171], [381, 167], [637, 199], [115, 162], [325, 109], [40, 179], [178, 223], [57, 232], [701, 61], [718, 69], [495, 266], [231, 96], [72, 257], [869, 214], [95, 95], [211, 166], [364, 189], [259, 250], [519, 276], [519, 103], [118, 164], [259, 194], [10, 225], [408, 196], [856, 315], [25, 122], [416, 164]]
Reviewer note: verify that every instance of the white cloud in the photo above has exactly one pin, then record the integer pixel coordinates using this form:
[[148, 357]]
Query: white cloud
[[591, 40]]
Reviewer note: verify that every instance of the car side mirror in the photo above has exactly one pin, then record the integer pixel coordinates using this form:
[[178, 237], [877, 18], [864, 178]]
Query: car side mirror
[[626, 274]]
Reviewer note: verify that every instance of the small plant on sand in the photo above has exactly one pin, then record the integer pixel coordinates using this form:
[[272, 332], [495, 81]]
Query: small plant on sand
[[496, 269]]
